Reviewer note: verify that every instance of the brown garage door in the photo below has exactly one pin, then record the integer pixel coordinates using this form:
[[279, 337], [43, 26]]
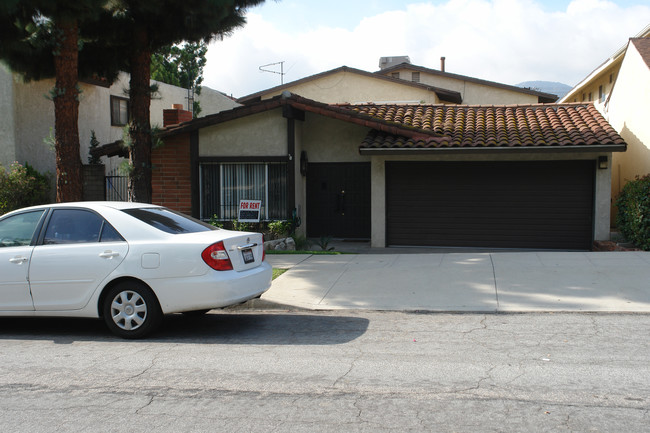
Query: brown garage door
[[544, 204]]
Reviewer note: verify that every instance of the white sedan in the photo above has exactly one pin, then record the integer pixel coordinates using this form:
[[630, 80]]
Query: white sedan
[[129, 263]]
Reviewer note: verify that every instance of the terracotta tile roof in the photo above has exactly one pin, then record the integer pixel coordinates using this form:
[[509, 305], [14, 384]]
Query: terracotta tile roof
[[457, 126], [643, 47], [546, 127]]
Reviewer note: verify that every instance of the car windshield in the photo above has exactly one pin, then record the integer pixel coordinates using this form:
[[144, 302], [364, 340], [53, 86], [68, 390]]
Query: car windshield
[[169, 221]]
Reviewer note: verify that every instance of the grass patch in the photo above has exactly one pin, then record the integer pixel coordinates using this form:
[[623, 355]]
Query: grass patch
[[277, 272]]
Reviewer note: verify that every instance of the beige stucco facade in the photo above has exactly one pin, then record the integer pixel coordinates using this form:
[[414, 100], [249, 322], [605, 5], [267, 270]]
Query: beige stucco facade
[[348, 87], [260, 135], [27, 124], [629, 113], [472, 92]]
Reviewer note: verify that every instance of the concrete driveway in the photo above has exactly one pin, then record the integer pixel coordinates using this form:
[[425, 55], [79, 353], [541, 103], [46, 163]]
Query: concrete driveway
[[476, 282]]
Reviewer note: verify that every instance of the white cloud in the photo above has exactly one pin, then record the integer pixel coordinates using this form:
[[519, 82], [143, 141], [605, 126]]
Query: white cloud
[[508, 41]]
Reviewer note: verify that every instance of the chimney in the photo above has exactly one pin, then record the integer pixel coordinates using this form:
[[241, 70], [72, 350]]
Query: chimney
[[442, 64], [176, 115]]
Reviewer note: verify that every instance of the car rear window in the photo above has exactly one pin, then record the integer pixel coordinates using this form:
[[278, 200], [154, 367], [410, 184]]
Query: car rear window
[[169, 221]]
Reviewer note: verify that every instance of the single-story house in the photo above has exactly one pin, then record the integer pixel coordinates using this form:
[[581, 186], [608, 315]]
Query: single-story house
[[498, 176]]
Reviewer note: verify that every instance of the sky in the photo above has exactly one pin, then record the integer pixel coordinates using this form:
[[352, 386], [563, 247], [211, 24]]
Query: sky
[[507, 41]]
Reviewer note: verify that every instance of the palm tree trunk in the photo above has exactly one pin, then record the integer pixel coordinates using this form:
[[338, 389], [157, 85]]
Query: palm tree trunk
[[139, 125], [69, 181]]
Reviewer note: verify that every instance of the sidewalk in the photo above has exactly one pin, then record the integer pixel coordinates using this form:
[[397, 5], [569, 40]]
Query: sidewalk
[[463, 282]]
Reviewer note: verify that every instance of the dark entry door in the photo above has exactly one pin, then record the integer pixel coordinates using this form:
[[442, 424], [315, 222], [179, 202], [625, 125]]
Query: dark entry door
[[338, 200]]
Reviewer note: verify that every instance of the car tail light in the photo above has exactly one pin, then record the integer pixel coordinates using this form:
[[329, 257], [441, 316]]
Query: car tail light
[[216, 257]]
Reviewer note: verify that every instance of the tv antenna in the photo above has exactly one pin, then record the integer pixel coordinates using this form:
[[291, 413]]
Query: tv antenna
[[281, 73]]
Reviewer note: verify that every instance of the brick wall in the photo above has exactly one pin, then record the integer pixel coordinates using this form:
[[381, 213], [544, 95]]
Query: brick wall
[[176, 115], [171, 177]]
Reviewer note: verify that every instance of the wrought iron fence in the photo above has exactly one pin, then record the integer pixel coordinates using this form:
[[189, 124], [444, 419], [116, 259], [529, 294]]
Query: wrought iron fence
[[117, 188]]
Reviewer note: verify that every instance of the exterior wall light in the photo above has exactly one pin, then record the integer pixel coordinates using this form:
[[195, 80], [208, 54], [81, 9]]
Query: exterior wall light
[[602, 162]]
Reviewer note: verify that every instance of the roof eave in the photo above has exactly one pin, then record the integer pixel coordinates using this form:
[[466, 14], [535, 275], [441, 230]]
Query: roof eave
[[494, 150]]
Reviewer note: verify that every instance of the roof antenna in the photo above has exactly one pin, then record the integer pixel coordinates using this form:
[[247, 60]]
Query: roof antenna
[[281, 73]]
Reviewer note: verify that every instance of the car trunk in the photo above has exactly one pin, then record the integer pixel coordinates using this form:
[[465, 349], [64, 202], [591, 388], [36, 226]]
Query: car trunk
[[245, 250]]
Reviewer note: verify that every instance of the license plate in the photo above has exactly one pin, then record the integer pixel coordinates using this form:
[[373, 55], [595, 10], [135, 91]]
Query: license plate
[[248, 255]]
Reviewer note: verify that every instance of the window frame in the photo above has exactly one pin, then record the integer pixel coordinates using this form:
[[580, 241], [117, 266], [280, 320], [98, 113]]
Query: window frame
[[37, 228], [118, 100], [266, 207]]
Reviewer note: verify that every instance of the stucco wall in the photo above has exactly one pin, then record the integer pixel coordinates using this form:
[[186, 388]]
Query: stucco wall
[[28, 117], [34, 124], [629, 113], [353, 88], [605, 77], [471, 92], [330, 140], [7, 137], [263, 134]]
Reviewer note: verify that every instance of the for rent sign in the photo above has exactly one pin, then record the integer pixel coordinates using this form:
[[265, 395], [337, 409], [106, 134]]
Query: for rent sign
[[249, 211]]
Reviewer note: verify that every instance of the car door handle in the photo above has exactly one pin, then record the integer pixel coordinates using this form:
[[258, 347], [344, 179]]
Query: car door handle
[[18, 260], [109, 254]]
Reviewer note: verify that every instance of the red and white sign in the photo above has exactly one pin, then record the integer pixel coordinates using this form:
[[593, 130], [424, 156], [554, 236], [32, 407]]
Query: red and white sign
[[249, 211]]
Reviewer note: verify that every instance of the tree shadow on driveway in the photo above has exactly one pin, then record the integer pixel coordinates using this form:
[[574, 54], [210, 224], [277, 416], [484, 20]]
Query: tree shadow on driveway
[[216, 327]]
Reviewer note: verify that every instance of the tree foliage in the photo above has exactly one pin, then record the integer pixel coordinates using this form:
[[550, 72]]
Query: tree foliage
[[181, 65], [41, 39], [138, 28], [21, 186]]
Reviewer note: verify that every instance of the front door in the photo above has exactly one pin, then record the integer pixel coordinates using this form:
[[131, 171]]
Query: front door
[[338, 200]]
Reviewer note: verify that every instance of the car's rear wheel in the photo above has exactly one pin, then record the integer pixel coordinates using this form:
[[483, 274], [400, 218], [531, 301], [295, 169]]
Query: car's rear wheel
[[131, 310]]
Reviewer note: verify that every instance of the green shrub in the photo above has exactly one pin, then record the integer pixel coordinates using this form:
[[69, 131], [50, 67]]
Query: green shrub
[[633, 218], [280, 229], [22, 186], [302, 243]]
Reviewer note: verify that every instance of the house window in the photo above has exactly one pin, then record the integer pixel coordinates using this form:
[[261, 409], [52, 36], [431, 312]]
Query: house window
[[119, 111], [395, 74], [590, 98], [601, 94], [415, 77], [224, 185]]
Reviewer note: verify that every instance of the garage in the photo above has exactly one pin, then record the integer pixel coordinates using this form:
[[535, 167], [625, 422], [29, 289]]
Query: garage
[[497, 204]]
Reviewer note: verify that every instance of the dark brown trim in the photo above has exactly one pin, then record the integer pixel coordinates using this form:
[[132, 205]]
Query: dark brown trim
[[284, 158], [194, 174], [291, 166], [501, 150]]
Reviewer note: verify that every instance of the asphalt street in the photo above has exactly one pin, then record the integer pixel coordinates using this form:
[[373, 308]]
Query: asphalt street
[[334, 371]]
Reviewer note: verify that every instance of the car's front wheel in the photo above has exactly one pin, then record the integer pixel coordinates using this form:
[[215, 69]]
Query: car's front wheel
[[131, 310]]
